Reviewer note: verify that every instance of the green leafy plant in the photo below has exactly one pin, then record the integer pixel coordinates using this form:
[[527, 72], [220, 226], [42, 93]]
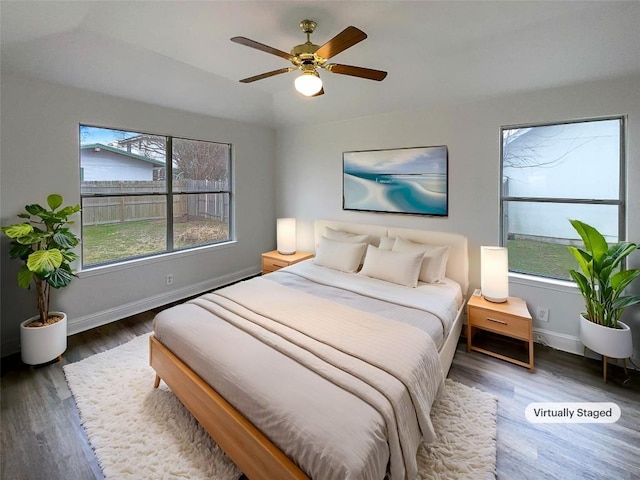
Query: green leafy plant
[[45, 245], [601, 280]]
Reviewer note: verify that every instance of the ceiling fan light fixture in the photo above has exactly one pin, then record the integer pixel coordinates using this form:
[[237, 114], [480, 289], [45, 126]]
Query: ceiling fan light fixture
[[308, 57], [308, 84]]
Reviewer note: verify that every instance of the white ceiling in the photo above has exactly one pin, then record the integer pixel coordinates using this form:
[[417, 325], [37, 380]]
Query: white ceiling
[[178, 53]]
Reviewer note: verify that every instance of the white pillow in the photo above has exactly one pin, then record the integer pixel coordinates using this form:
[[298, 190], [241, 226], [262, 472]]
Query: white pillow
[[333, 234], [434, 264], [343, 256], [386, 243], [395, 267]]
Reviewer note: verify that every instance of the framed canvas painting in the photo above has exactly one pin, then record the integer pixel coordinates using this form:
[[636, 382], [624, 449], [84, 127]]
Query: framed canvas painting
[[403, 180]]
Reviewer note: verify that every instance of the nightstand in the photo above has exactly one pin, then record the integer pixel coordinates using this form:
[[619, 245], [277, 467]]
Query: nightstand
[[511, 319], [272, 261]]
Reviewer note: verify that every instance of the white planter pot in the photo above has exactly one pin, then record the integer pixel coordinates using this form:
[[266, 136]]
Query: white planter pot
[[43, 344], [610, 342]]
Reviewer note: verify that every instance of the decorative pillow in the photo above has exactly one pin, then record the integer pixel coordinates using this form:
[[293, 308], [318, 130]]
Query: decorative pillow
[[395, 267], [434, 264], [333, 234], [343, 256], [348, 237], [386, 243]]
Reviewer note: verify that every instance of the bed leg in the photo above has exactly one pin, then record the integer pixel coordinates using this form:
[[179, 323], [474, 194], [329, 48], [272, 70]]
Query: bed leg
[[156, 382]]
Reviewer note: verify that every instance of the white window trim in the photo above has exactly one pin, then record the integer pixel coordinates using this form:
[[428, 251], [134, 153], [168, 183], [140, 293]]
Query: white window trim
[[87, 271], [554, 284], [159, 258]]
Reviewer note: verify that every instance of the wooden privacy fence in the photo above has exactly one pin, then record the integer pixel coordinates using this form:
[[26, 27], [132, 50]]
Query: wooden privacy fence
[[116, 204]]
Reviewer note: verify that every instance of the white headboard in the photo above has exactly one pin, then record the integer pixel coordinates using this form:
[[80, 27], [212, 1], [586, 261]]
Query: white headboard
[[457, 265]]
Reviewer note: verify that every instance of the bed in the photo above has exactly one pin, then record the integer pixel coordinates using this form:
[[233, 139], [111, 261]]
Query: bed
[[326, 369]]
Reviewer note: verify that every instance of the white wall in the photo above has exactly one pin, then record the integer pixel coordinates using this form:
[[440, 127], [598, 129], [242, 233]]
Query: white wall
[[39, 141], [309, 185], [298, 173]]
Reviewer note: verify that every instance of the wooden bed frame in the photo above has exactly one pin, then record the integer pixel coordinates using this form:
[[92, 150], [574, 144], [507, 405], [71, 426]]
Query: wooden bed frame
[[252, 452], [248, 447]]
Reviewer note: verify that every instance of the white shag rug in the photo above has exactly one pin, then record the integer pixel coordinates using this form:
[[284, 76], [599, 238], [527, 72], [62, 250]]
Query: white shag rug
[[139, 432]]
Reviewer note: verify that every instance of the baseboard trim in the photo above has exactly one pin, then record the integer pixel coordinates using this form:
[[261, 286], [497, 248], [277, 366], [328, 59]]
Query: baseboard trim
[[566, 343], [559, 341], [97, 319]]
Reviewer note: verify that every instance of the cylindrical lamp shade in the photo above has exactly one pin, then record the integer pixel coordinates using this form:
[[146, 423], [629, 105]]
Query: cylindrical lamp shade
[[494, 273], [286, 232]]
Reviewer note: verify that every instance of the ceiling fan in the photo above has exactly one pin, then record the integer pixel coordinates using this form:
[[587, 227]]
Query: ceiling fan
[[308, 57]]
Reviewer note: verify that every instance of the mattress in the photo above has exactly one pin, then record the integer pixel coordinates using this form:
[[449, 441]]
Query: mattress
[[331, 425]]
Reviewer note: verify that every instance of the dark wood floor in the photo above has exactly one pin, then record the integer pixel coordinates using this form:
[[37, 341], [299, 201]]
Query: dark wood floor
[[42, 437], [558, 451]]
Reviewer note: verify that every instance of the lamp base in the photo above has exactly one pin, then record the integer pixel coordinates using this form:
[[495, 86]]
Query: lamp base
[[281, 252], [495, 299]]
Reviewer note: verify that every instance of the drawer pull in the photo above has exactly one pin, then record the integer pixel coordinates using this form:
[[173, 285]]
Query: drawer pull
[[497, 321]]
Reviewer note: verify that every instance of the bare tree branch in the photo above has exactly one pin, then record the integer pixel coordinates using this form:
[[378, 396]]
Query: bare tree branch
[[526, 154], [192, 159]]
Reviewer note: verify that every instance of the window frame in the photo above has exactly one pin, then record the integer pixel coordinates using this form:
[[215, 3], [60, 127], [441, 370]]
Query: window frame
[[169, 195], [620, 202]]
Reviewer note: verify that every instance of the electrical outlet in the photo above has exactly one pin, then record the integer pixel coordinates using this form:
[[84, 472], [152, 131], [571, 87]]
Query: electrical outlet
[[170, 279], [542, 314]]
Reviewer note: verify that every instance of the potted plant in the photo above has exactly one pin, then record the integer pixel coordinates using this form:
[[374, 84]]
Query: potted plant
[[602, 283], [45, 245]]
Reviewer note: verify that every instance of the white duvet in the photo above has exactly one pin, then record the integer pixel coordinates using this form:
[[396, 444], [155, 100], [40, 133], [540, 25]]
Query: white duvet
[[442, 300]]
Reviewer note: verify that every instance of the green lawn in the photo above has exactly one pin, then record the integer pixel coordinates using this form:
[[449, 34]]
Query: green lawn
[[112, 242], [541, 258]]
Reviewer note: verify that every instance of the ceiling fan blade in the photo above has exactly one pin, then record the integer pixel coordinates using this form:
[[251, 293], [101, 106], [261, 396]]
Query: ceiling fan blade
[[267, 75], [361, 72], [345, 39], [261, 46]]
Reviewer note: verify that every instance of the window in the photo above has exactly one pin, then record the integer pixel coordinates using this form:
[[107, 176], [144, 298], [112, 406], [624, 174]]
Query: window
[[145, 194], [553, 173]]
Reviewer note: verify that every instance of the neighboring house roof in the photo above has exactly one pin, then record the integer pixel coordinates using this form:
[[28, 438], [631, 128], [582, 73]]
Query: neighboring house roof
[[122, 152]]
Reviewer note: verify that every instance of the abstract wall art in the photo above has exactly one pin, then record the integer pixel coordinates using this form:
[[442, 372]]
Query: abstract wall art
[[403, 180]]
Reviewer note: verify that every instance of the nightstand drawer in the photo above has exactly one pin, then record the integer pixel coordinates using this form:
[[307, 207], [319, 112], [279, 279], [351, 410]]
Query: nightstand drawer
[[272, 264], [500, 323]]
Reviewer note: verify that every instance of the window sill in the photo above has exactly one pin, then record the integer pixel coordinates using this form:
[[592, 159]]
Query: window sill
[[541, 282], [140, 262]]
